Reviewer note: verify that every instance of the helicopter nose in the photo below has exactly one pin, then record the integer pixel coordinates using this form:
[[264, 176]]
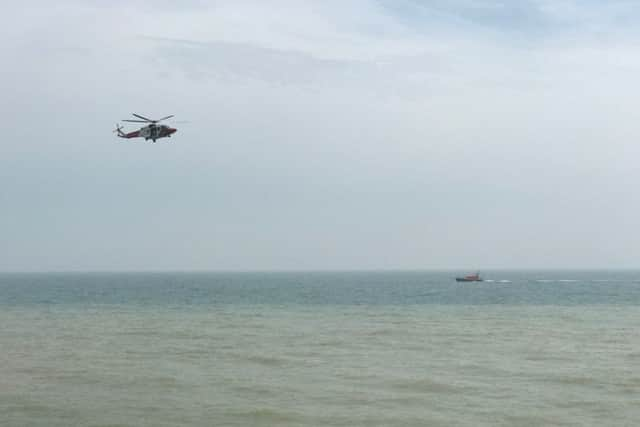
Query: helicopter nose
[[172, 131]]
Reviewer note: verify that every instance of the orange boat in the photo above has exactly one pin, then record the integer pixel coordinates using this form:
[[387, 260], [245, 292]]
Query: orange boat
[[470, 278]]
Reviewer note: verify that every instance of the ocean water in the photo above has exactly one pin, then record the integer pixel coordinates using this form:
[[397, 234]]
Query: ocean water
[[554, 348]]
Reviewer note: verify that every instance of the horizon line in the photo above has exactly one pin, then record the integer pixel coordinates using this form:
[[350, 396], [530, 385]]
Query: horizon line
[[275, 271]]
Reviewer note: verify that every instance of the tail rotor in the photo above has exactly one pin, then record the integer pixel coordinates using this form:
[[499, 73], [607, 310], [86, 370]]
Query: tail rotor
[[118, 130]]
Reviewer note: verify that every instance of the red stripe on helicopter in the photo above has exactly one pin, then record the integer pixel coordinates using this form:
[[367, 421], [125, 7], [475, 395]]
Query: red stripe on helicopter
[[134, 134]]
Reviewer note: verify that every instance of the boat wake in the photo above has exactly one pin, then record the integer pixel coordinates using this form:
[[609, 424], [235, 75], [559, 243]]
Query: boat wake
[[556, 280]]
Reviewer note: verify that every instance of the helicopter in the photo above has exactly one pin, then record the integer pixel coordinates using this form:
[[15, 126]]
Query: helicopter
[[150, 132]]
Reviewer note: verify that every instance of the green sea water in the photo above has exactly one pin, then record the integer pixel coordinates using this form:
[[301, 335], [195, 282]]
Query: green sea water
[[319, 350]]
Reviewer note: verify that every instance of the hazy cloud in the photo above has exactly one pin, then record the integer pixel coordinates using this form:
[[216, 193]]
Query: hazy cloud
[[364, 134]]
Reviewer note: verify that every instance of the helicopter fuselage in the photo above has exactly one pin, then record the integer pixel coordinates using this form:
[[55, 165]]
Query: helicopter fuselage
[[150, 132]]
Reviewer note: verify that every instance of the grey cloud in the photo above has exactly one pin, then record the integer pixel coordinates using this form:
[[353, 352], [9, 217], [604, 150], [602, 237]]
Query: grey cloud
[[230, 61], [382, 156]]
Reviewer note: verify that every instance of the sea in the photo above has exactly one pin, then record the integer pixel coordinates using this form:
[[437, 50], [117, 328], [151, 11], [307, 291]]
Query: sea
[[388, 348]]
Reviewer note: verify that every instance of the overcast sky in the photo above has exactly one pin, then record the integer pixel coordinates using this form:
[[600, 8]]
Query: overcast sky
[[358, 134]]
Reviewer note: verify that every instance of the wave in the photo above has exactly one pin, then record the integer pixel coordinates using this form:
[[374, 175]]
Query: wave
[[266, 360], [427, 386], [267, 416]]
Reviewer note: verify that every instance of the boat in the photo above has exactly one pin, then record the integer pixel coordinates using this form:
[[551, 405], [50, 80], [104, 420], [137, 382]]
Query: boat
[[470, 278]]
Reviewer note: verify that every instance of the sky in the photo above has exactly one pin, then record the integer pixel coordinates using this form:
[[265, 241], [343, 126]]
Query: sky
[[321, 135]]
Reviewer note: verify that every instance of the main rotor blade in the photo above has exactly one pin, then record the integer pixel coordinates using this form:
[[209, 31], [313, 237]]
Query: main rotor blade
[[137, 121], [143, 118], [164, 118]]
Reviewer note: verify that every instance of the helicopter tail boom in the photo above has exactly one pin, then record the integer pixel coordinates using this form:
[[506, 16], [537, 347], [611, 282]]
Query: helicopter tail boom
[[118, 131]]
